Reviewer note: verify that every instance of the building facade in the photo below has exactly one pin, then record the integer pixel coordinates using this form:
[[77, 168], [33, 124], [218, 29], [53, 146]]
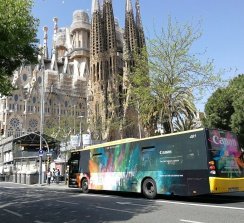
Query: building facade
[[59, 82], [85, 76]]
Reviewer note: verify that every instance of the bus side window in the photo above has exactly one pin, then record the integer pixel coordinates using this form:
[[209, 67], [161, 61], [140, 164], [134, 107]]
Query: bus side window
[[84, 161], [148, 159], [193, 155], [170, 155], [96, 155]]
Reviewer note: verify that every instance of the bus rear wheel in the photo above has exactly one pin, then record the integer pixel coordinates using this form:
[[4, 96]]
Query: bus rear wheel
[[149, 188], [84, 185]]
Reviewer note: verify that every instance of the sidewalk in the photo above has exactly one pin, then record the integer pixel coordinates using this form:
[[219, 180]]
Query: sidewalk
[[60, 185], [53, 186]]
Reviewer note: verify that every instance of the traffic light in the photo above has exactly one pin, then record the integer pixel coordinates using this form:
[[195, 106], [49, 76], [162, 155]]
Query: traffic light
[[2, 132]]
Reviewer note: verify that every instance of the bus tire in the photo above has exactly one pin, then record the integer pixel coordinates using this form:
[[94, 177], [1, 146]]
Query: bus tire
[[84, 185], [149, 188]]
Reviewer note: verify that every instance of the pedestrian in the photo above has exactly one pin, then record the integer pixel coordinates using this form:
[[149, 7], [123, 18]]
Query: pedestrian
[[54, 175], [66, 176], [57, 174], [49, 175]]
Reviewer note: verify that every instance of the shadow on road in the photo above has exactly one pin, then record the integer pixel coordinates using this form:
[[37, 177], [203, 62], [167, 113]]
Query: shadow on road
[[42, 204], [46, 205]]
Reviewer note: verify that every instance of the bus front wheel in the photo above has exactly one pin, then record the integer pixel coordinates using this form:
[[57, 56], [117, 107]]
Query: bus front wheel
[[149, 188], [84, 185]]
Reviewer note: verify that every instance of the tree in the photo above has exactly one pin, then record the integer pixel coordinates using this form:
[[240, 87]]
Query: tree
[[219, 109], [225, 110], [18, 30], [176, 76], [236, 87], [183, 123]]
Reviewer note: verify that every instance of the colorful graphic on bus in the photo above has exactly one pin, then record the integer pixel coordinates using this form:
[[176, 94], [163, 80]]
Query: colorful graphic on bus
[[187, 163], [226, 153]]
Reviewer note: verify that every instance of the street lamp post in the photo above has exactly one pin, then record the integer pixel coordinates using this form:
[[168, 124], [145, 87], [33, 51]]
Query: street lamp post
[[81, 116], [138, 118], [41, 120], [74, 118], [80, 122]]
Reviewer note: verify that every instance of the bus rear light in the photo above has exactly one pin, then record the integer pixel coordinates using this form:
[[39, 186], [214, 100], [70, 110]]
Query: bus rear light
[[212, 167], [211, 163]]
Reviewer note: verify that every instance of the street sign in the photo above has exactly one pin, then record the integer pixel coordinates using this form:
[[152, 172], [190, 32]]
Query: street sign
[[86, 139], [75, 140], [40, 152]]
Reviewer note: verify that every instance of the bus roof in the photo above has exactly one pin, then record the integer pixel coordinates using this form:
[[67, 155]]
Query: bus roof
[[112, 143], [127, 140]]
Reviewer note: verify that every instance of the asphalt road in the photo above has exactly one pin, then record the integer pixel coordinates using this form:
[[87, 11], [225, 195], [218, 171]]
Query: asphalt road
[[20, 203]]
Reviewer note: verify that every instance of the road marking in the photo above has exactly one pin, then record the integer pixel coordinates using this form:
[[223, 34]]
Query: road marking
[[111, 209], [66, 202], [129, 203], [13, 212], [7, 204], [182, 220], [14, 187], [201, 205], [93, 195], [123, 203]]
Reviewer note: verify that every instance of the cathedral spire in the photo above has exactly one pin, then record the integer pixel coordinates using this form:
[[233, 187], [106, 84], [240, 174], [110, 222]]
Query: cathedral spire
[[45, 49], [128, 6], [109, 26], [130, 34], [95, 6], [138, 14], [140, 32], [55, 30]]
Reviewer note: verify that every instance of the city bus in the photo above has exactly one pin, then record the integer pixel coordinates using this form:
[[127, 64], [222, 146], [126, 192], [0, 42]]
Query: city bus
[[189, 163]]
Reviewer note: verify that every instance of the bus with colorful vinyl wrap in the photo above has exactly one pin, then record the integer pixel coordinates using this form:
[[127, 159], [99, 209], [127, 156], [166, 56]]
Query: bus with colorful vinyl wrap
[[194, 162]]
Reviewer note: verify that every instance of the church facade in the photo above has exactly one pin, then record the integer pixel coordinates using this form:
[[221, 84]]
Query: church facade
[[85, 77]]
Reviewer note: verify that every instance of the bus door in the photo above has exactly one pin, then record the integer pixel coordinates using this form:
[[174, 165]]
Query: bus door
[[73, 169]]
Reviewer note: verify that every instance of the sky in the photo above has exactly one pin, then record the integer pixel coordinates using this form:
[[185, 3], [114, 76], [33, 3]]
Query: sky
[[222, 25]]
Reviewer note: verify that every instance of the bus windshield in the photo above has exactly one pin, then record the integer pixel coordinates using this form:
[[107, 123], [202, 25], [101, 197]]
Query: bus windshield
[[226, 154]]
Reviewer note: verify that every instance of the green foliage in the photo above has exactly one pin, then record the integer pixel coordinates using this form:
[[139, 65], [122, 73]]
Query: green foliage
[[183, 123], [219, 109], [5, 85], [62, 127], [237, 118], [18, 36], [225, 110], [165, 78]]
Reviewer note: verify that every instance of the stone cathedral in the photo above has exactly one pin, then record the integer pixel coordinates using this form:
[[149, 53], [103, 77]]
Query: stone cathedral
[[111, 61], [85, 76]]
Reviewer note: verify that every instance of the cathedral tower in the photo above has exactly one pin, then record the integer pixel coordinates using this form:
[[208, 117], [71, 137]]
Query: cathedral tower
[[110, 67], [134, 41], [140, 32], [97, 85], [106, 71]]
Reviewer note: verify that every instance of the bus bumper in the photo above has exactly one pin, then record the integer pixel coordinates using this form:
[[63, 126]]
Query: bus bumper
[[224, 185]]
